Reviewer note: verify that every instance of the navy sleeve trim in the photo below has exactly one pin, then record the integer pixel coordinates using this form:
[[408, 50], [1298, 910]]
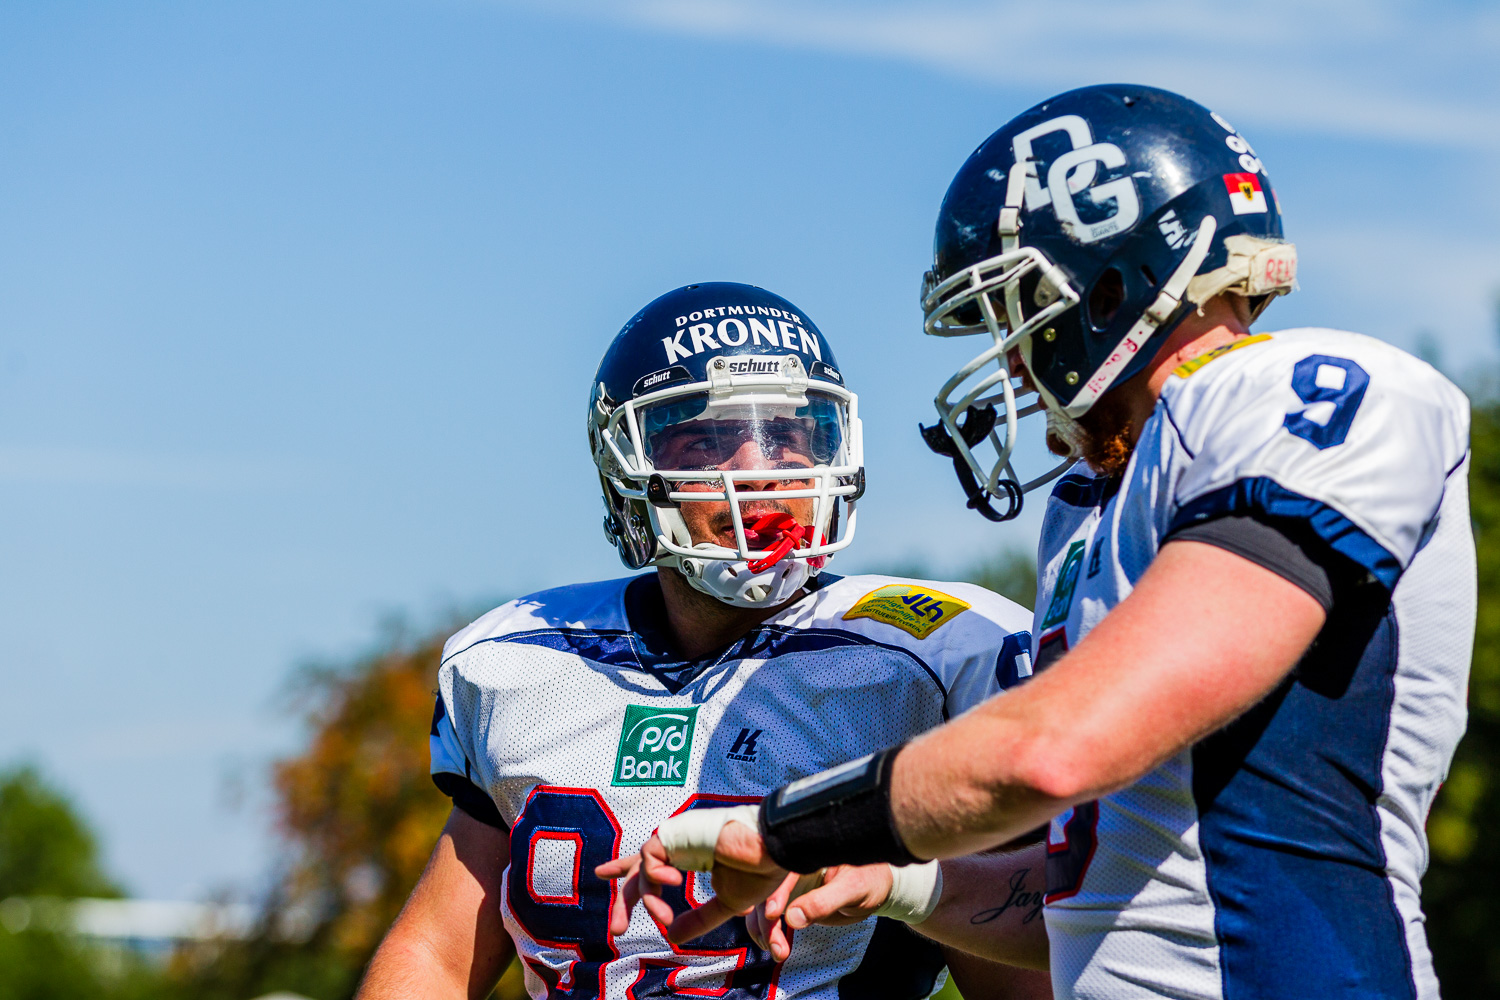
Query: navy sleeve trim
[[1013, 665], [470, 798], [1269, 547], [1085, 491], [1267, 497]]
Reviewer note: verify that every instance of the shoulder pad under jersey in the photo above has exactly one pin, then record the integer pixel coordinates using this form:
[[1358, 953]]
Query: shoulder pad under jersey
[[1341, 430]]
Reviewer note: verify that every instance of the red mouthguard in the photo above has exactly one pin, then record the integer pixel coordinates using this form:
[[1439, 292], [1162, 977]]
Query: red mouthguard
[[790, 535]]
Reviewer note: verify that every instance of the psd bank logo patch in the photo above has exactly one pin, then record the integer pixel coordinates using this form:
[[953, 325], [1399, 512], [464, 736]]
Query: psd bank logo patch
[[656, 745]]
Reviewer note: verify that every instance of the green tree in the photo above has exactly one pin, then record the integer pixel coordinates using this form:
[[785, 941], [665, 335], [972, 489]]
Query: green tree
[[40, 965], [1009, 572], [1462, 888], [46, 848]]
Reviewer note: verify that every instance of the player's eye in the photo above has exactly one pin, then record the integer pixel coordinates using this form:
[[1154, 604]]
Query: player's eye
[[787, 439]]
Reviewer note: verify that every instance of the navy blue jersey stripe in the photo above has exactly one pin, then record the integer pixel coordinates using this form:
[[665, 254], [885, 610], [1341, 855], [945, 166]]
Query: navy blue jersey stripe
[[1015, 654], [1267, 497], [1085, 491], [1288, 826], [470, 798], [616, 647]]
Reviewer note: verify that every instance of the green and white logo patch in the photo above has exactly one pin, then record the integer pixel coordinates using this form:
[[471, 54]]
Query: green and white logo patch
[[655, 745], [1067, 581]]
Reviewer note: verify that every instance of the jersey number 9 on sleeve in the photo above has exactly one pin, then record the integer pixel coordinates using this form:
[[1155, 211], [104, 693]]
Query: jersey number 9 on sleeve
[[1332, 389]]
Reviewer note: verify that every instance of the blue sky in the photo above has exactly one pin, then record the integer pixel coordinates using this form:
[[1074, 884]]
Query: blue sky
[[299, 302]]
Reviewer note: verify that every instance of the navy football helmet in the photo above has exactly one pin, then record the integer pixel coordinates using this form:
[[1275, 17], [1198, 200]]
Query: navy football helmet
[[1081, 234], [707, 390]]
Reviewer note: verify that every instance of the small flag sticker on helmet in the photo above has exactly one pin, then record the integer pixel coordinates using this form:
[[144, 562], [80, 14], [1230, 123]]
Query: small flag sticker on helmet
[[1245, 194]]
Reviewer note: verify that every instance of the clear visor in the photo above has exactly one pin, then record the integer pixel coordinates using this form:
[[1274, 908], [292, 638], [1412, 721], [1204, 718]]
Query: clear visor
[[693, 434]]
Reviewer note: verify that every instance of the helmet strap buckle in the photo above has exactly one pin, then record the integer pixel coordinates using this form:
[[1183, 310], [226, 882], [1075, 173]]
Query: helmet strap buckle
[[658, 493], [976, 425]]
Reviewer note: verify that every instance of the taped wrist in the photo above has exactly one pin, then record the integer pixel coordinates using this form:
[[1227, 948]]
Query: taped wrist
[[915, 892], [841, 816], [691, 837]]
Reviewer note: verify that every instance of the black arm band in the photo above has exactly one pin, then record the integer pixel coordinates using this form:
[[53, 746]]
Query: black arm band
[[841, 816], [470, 798]]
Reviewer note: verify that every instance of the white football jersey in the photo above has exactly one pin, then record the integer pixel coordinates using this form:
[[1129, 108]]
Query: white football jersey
[[1283, 855], [579, 724]]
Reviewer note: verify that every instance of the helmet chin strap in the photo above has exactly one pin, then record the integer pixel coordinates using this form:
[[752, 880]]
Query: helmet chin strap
[[733, 583], [759, 583], [1156, 314]]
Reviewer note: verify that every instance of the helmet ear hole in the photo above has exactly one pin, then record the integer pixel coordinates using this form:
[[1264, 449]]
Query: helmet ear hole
[[1105, 298]]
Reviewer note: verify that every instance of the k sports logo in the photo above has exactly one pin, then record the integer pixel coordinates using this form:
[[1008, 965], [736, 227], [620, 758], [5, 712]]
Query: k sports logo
[[734, 326], [1073, 173], [656, 745]]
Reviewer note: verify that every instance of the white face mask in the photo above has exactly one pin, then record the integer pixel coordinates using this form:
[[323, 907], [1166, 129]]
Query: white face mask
[[733, 583], [745, 440]]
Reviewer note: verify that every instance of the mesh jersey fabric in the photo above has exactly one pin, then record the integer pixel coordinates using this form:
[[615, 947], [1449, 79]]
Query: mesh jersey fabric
[[1283, 855], [555, 705]]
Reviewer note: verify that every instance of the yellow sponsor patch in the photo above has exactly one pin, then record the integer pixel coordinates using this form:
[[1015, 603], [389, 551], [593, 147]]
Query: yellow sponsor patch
[[1188, 367], [918, 610]]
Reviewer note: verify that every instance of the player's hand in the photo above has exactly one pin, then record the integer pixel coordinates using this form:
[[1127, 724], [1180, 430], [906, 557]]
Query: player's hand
[[641, 878], [843, 894], [743, 875], [771, 933]]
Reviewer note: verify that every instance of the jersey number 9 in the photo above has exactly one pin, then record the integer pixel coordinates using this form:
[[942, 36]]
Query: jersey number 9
[[1320, 379]]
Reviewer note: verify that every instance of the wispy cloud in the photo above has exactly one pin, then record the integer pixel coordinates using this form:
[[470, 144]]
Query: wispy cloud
[[1387, 69], [87, 467]]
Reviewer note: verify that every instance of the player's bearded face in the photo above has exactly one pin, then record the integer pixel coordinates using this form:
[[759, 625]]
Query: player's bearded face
[[1103, 437], [732, 445]]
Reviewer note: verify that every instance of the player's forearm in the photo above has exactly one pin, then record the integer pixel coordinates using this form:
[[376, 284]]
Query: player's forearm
[[1122, 702], [448, 943], [949, 799], [407, 966], [992, 907]]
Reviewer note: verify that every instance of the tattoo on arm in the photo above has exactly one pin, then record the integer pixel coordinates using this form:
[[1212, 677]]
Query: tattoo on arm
[[1019, 899]]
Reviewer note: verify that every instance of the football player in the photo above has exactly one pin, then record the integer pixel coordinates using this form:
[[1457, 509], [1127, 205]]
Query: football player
[[1257, 589], [569, 722]]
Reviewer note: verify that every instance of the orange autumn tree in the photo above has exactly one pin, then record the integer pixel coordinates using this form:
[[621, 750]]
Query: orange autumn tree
[[359, 816], [357, 805]]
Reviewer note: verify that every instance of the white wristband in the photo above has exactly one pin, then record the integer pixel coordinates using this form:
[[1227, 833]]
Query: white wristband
[[690, 837], [915, 891]]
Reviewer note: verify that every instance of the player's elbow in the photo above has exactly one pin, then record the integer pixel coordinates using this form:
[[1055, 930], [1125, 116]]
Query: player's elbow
[[1057, 782], [1055, 772]]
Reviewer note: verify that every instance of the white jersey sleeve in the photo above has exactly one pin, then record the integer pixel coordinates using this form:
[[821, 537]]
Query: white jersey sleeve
[[458, 757], [1336, 429]]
